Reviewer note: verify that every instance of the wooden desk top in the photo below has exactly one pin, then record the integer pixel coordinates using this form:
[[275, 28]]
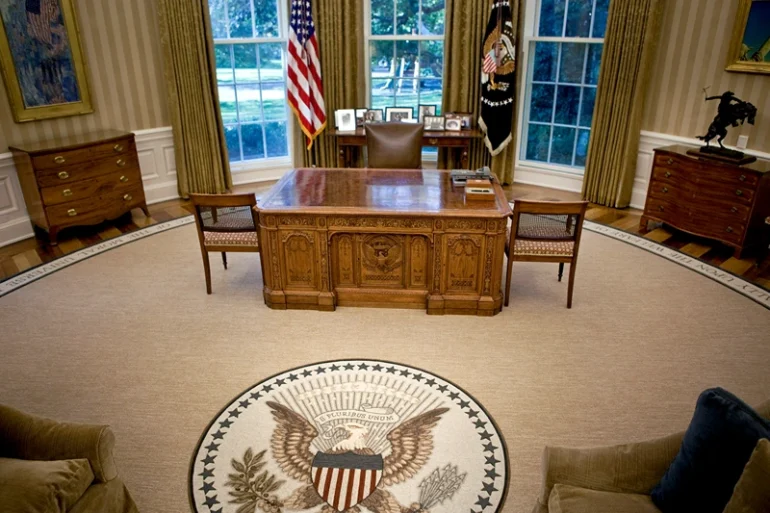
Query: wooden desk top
[[418, 192], [474, 133]]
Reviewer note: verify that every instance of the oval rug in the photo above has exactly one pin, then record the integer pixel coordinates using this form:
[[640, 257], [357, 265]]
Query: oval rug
[[351, 435]]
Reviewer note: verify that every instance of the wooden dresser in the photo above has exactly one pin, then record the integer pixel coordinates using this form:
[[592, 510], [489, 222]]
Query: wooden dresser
[[712, 199], [81, 180]]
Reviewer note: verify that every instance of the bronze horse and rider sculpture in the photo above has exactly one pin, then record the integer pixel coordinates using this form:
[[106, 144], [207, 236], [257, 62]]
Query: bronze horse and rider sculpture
[[732, 111]]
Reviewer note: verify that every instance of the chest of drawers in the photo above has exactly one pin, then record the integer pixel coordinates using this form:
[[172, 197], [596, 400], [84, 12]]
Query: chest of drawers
[[711, 199], [83, 180]]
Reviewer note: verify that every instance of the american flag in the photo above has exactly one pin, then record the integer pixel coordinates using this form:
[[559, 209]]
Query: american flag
[[490, 62], [305, 89]]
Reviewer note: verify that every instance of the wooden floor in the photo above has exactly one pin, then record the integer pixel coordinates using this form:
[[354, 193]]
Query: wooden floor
[[23, 255]]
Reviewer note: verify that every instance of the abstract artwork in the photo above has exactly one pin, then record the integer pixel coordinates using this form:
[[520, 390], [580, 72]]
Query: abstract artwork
[[750, 47], [41, 59]]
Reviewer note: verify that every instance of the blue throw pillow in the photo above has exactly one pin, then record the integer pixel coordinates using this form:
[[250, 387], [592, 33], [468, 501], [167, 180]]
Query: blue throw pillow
[[716, 446]]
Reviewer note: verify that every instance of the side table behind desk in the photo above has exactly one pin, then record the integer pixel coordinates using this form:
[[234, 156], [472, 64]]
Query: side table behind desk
[[349, 142]]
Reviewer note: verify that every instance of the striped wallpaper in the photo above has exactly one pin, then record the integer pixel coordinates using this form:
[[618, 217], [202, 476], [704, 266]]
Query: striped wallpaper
[[691, 55], [121, 43]]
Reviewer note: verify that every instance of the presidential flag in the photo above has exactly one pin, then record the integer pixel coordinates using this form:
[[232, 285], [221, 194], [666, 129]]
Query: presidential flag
[[498, 74], [305, 89]]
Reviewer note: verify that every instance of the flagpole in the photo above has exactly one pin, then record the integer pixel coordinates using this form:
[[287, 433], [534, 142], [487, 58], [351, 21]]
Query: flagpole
[[499, 31]]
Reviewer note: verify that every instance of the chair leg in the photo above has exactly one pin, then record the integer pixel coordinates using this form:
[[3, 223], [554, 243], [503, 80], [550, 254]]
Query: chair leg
[[561, 269], [207, 271], [508, 281], [224, 259], [572, 267]]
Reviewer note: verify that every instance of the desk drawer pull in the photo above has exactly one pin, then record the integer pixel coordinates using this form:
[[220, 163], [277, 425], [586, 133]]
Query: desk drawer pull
[[118, 148], [668, 174], [59, 160], [66, 192], [742, 178], [433, 142], [124, 179], [739, 192], [729, 229], [733, 210], [660, 207], [121, 163], [669, 161], [127, 197], [665, 190], [72, 212], [63, 175]]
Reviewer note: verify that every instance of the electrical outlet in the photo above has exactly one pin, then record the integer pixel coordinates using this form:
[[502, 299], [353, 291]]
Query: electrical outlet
[[743, 141]]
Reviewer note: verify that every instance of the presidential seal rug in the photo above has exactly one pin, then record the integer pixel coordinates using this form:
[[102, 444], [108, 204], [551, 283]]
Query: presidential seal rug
[[351, 436]]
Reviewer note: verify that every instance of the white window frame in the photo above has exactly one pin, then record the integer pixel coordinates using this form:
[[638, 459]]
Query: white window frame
[[368, 37], [263, 166], [531, 21]]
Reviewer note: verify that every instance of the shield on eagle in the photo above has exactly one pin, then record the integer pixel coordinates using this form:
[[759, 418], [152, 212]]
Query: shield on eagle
[[344, 480]]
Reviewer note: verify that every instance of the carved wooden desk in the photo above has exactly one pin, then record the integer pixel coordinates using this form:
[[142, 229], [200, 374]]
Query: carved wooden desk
[[398, 238], [349, 142]]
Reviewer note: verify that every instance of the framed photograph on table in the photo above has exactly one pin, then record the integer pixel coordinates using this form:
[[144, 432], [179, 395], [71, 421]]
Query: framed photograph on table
[[398, 113], [346, 120], [360, 113], [433, 123], [41, 60], [750, 44], [466, 120], [425, 110], [453, 123], [373, 116]]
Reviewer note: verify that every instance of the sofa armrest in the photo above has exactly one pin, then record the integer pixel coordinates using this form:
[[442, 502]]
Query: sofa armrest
[[28, 437], [628, 468]]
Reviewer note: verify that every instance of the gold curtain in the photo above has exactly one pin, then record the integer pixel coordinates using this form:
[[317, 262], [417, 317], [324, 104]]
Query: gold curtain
[[199, 138], [466, 22], [340, 33], [629, 48]]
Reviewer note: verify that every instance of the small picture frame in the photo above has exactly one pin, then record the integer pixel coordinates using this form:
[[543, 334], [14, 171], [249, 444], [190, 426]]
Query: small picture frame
[[453, 123], [397, 114], [373, 116], [360, 117], [346, 120], [434, 123], [466, 120], [425, 110]]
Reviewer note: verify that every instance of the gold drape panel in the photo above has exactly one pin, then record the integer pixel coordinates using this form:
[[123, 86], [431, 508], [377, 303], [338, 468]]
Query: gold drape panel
[[199, 138], [340, 33], [629, 48], [466, 21]]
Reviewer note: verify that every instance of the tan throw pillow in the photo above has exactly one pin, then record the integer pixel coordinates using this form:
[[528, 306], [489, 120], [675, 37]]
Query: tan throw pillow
[[42, 486], [752, 492]]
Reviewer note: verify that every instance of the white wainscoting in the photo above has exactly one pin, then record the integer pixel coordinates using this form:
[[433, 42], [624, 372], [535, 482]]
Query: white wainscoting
[[648, 141]]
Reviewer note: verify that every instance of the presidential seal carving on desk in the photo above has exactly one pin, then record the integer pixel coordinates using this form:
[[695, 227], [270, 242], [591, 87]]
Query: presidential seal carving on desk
[[351, 436]]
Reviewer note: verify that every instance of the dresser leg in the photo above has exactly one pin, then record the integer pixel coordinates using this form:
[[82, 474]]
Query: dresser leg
[[644, 224], [53, 235], [145, 210]]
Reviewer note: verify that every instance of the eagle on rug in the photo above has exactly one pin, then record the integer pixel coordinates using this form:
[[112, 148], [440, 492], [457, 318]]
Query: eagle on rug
[[350, 474]]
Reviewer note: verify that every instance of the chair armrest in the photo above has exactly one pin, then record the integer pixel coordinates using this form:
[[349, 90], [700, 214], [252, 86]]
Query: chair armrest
[[628, 468], [28, 437]]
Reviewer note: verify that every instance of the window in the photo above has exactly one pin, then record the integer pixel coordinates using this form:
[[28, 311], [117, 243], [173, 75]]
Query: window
[[405, 51], [565, 42], [250, 48]]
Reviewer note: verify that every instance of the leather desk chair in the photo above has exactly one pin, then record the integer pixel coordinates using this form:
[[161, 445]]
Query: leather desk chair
[[394, 145]]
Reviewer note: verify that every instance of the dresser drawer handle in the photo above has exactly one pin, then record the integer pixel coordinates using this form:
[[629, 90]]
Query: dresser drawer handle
[[739, 192], [742, 178], [433, 141], [660, 207], [729, 229], [66, 192], [124, 179], [59, 160], [733, 210], [121, 163], [63, 175], [668, 174], [118, 148], [669, 161], [665, 190], [127, 197], [72, 212]]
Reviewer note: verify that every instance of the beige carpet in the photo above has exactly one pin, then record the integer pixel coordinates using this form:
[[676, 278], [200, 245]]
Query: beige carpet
[[130, 338]]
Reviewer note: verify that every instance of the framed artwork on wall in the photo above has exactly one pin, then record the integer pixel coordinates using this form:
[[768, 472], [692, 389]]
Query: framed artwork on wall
[[41, 59], [750, 44]]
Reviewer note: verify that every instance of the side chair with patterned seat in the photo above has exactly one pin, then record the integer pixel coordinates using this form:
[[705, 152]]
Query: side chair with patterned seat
[[545, 231], [226, 223]]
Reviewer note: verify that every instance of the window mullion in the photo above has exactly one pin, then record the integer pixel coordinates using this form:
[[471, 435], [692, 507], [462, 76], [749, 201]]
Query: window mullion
[[227, 18], [237, 107], [564, 23], [593, 18], [555, 97], [580, 104], [253, 19], [261, 104]]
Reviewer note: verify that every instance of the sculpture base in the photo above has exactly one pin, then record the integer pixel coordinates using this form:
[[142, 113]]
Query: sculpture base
[[722, 154]]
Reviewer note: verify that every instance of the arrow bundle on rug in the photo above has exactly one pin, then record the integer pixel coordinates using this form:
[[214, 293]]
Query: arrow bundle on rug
[[498, 75]]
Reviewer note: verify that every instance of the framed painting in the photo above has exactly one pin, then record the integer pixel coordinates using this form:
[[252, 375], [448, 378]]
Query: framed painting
[[41, 59], [750, 45]]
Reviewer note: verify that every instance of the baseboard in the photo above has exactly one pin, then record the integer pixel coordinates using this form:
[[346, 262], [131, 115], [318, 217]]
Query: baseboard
[[15, 231]]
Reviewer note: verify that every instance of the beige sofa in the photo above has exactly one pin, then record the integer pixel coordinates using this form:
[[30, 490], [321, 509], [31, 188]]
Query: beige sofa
[[616, 479], [27, 437]]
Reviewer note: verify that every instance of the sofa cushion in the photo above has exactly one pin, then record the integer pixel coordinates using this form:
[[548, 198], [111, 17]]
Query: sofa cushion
[[716, 446], [42, 486], [752, 493], [572, 499]]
